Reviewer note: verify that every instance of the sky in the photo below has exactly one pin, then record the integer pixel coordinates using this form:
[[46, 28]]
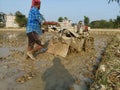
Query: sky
[[74, 10]]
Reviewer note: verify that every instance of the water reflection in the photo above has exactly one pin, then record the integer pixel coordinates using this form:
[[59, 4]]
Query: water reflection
[[11, 41], [4, 52]]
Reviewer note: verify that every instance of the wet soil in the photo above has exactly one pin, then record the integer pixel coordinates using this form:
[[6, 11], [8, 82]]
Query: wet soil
[[74, 72], [108, 74]]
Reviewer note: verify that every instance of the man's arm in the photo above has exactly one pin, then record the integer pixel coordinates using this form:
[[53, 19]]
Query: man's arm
[[39, 17]]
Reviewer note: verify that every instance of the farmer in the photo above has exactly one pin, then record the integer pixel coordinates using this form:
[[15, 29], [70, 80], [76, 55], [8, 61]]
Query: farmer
[[33, 28], [80, 28], [86, 31]]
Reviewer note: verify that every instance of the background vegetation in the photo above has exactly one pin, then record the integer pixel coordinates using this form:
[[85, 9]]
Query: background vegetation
[[20, 19]]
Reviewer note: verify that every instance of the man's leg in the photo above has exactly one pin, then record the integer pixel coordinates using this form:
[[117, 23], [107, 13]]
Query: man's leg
[[31, 43], [30, 51], [36, 48], [38, 44], [33, 39]]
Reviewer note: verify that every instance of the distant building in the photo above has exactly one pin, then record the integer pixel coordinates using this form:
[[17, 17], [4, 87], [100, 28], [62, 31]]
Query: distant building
[[66, 24], [10, 21]]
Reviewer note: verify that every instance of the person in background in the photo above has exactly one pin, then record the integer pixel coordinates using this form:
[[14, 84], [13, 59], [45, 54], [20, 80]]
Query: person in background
[[33, 29], [86, 30], [80, 28]]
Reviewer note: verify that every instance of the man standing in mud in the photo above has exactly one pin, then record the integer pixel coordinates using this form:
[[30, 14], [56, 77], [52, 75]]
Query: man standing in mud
[[80, 28], [33, 28]]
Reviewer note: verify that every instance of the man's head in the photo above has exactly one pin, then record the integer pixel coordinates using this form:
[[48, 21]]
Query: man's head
[[36, 3]]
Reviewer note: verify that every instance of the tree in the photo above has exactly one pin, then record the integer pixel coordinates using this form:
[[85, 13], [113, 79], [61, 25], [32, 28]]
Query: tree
[[60, 19], [118, 1], [111, 23], [20, 19], [2, 20], [118, 21], [65, 18], [86, 20]]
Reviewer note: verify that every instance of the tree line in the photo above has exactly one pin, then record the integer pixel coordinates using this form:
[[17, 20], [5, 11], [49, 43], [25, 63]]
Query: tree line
[[21, 19], [112, 23]]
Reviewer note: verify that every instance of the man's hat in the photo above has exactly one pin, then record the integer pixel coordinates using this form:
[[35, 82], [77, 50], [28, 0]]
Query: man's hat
[[34, 2]]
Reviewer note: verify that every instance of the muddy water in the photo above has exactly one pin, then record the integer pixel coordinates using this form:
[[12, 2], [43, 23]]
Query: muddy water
[[50, 72]]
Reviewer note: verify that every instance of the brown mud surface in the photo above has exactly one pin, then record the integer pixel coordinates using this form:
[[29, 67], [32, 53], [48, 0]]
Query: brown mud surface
[[48, 72]]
